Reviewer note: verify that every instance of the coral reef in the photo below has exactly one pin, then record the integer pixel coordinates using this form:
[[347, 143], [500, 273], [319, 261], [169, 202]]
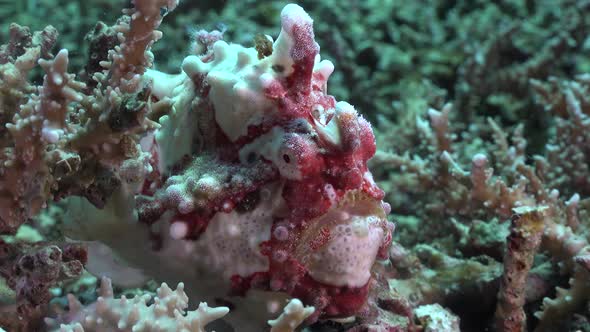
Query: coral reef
[[219, 158]]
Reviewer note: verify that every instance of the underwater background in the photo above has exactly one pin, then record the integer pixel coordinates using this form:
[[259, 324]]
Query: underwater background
[[480, 111]]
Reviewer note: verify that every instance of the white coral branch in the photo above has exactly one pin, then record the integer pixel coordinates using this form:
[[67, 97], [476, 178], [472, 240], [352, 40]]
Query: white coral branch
[[167, 313], [293, 315]]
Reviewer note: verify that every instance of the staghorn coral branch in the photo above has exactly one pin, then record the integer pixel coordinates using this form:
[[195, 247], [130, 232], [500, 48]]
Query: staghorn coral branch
[[26, 168], [130, 60], [59, 90]]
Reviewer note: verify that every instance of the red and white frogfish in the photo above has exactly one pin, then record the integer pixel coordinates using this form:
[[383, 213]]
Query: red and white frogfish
[[257, 178]]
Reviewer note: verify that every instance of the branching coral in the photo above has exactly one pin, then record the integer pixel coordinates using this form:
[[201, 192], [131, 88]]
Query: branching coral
[[43, 157], [166, 313], [55, 139], [24, 181], [293, 315], [479, 192]]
